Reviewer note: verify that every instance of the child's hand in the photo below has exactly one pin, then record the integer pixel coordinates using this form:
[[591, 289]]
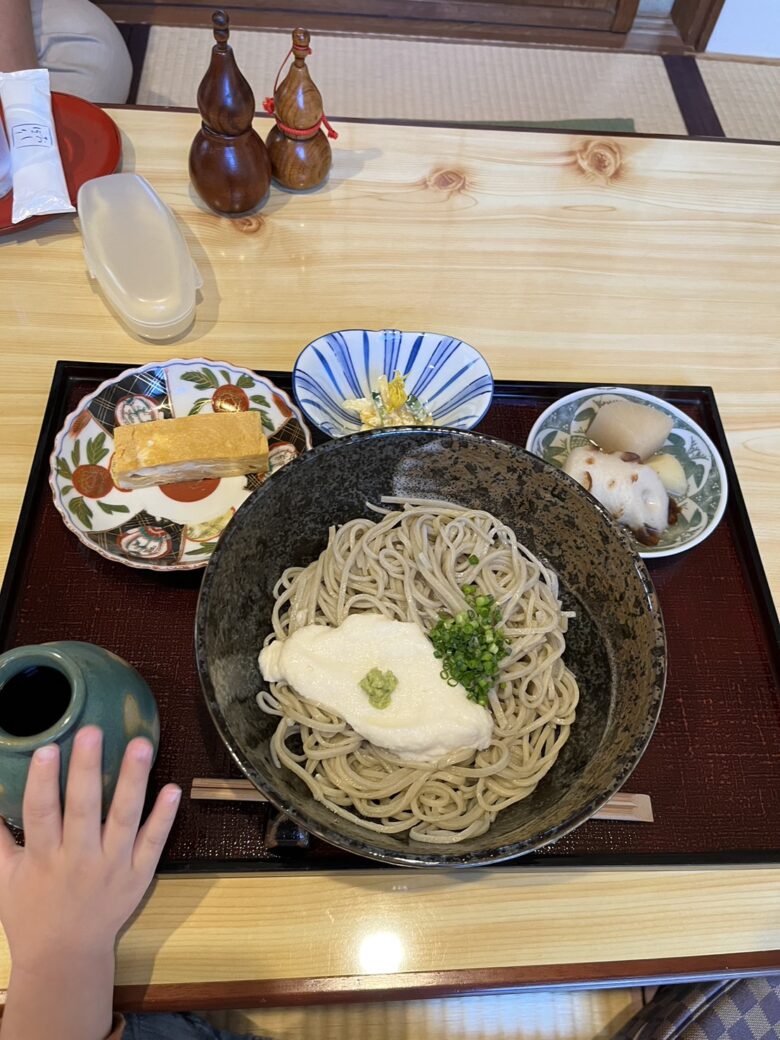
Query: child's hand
[[75, 882]]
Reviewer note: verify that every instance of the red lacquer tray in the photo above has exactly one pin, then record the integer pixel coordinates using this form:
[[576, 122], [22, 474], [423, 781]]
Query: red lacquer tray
[[712, 768], [90, 146]]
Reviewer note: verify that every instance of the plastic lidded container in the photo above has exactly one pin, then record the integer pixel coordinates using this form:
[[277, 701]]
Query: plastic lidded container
[[137, 254]]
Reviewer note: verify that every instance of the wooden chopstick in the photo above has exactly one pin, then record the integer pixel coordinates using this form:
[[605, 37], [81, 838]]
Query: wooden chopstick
[[210, 789], [635, 808]]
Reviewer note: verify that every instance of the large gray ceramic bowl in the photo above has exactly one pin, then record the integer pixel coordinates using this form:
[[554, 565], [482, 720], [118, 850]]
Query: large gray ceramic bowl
[[615, 645]]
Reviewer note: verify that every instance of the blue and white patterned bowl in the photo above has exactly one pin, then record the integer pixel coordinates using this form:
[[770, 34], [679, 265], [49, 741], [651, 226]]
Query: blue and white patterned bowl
[[451, 379]]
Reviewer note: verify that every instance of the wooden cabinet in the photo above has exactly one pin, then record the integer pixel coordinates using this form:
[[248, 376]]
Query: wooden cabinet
[[590, 22], [597, 15], [515, 16]]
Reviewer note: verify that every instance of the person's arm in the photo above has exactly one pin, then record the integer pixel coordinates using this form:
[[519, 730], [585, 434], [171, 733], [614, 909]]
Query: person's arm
[[66, 894], [17, 42]]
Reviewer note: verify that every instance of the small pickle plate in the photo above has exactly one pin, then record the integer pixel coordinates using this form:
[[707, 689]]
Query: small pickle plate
[[170, 527], [564, 426]]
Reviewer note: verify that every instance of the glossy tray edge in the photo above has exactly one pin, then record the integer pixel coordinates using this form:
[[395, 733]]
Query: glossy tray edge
[[54, 414]]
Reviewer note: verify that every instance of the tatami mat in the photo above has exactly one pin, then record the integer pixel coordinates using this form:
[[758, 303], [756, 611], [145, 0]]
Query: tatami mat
[[549, 1015], [746, 96], [382, 77]]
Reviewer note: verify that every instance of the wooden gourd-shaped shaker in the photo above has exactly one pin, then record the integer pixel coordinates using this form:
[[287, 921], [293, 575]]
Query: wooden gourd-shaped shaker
[[297, 146], [229, 164]]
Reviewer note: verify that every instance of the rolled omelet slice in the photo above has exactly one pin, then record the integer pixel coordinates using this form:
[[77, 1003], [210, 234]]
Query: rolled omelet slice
[[168, 451]]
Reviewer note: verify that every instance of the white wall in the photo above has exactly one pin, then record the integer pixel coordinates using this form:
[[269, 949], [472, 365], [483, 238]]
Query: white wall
[[750, 27]]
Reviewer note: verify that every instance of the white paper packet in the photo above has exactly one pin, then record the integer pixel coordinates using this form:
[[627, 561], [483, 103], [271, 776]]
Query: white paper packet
[[38, 178], [5, 163]]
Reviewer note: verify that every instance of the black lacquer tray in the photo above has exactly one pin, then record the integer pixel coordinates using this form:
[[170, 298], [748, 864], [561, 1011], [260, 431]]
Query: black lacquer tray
[[712, 768]]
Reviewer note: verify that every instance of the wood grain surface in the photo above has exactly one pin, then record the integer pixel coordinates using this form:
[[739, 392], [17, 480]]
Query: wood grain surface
[[559, 257], [541, 925]]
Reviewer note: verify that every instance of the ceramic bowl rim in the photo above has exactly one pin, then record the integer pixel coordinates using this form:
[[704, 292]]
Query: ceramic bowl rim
[[72, 415], [364, 847], [45, 655], [377, 332], [644, 396]]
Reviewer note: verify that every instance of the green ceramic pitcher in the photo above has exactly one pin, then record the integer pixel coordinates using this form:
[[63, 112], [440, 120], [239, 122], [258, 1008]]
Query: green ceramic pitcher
[[48, 692]]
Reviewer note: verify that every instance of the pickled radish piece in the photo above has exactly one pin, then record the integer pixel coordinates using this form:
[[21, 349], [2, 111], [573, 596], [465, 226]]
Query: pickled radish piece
[[628, 426]]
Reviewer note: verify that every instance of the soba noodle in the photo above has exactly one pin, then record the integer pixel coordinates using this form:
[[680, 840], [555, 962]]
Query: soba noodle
[[409, 565]]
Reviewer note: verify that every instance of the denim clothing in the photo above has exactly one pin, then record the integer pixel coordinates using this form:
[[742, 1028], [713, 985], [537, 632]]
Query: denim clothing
[[175, 1027]]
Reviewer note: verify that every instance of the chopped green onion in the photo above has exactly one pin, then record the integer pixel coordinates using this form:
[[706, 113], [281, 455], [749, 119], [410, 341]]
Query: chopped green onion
[[473, 560], [471, 644]]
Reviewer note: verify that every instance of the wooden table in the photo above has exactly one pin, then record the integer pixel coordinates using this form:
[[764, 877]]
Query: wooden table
[[627, 260]]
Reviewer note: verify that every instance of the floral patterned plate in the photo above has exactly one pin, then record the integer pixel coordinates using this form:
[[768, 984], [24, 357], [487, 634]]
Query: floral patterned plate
[[564, 426], [171, 527]]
